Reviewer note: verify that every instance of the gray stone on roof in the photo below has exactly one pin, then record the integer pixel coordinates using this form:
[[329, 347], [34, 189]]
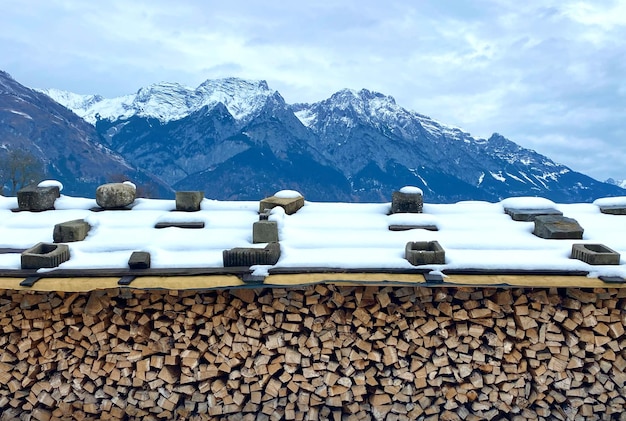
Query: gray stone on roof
[[557, 227], [37, 199], [115, 195]]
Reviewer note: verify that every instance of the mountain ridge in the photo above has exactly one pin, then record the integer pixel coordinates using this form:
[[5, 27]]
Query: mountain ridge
[[67, 147], [371, 144], [168, 101]]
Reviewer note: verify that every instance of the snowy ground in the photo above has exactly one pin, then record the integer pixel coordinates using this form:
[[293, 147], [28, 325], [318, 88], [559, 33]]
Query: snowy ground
[[475, 235]]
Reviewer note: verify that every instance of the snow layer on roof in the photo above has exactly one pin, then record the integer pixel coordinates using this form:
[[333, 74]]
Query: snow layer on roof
[[611, 201], [529, 203], [287, 194], [411, 190], [51, 183], [474, 235], [8, 203]]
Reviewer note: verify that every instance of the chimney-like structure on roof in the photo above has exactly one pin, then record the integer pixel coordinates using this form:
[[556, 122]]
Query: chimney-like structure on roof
[[408, 199], [70, 231], [189, 201], [595, 254], [425, 253], [289, 200], [37, 199], [45, 255]]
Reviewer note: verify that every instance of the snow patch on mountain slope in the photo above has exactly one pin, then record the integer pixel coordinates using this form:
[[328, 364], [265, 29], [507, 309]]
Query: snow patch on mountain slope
[[306, 117], [21, 114], [480, 179], [71, 100], [168, 101], [515, 178], [498, 176]]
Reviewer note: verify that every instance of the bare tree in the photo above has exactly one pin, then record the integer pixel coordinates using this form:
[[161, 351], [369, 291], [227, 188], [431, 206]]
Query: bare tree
[[19, 168]]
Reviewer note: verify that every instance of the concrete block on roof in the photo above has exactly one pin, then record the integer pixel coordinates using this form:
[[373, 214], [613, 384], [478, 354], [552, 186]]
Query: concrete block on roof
[[613, 210], [189, 201], [67, 232], [424, 253], [243, 256], [264, 232], [289, 200], [557, 228], [115, 195], [290, 206], [45, 255], [529, 215], [407, 200], [595, 254], [139, 260], [37, 199]]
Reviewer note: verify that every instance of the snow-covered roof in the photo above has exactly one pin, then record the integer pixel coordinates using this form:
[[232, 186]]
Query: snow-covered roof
[[477, 237]]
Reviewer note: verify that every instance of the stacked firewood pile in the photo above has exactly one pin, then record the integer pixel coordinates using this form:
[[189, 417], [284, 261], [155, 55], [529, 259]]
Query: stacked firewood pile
[[321, 352]]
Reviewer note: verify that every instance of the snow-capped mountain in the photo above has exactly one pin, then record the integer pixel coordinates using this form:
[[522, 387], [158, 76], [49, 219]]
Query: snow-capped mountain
[[235, 138], [371, 138], [169, 101], [68, 148]]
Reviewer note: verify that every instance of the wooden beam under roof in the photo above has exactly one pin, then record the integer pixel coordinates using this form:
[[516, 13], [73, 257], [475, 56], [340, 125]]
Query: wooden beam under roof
[[236, 281]]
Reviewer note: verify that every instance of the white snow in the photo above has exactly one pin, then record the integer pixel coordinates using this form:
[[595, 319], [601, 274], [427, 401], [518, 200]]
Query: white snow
[[474, 235], [498, 176], [51, 183], [287, 194], [168, 101], [611, 201], [514, 177], [130, 183], [421, 219], [21, 114], [528, 202], [8, 203], [527, 178], [422, 180], [306, 117], [411, 190]]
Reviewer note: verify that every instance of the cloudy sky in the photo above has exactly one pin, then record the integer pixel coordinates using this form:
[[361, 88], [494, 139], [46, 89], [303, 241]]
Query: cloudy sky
[[549, 75]]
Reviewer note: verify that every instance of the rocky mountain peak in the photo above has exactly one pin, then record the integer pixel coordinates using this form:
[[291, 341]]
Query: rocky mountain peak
[[233, 86], [71, 100], [351, 107], [242, 98], [373, 108], [169, 101], [364, 101], [160, 90]]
